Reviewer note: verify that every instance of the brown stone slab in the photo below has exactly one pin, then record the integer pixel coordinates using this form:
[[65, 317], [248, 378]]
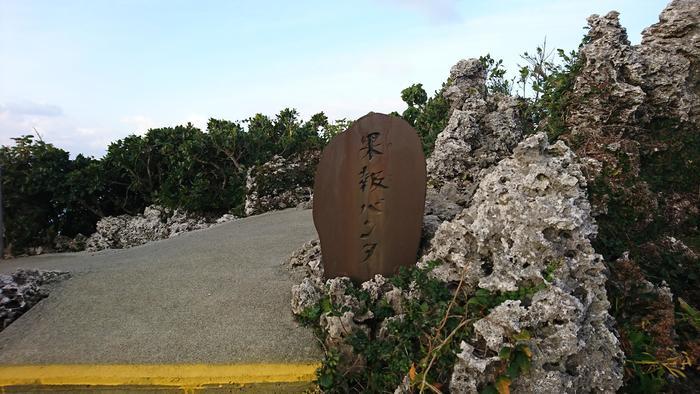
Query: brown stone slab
[[369, 195]]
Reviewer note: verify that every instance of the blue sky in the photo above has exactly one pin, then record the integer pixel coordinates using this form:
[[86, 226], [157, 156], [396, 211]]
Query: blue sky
[[85, 73]]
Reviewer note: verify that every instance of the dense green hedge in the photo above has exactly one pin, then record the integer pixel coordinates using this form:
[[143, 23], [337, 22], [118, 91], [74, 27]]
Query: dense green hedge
[[46, 193]]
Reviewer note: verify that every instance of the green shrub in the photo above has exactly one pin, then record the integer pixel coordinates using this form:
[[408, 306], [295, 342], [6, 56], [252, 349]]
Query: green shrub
[[428, 116], [424, 343], [33, 182], [47, 194]]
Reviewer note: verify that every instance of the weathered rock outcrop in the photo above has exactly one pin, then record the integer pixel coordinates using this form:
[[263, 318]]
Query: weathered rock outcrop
[[124, 231], [281, 183], [633, 116], [482, 129], [306, 261], [529, 224], [636, 108], [66, 244], [670, 55], [22, 290]]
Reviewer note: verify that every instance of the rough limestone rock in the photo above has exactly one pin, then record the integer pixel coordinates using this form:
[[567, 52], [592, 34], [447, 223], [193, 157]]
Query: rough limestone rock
[[471, 371], [670, 51], [633, 116], [22, 290], [530, 216], [634, 103], [439, 207], [482, 129], [281, 183], [307, 260], [305, 295], [504, 320], [124, 231], [340, 292], [63, 243], [338, 328]]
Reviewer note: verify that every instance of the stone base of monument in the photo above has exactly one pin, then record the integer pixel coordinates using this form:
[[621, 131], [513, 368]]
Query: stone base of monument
[[207, 311]]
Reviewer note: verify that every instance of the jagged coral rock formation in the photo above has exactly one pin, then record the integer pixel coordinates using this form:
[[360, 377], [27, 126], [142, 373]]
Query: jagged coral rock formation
[[510, 201], [670, 51], [307, 260], [470, 371], [636, 107], [634, 119], [21, 290], [530, 215], [482, 129], [124, 231], [280, 183], [305, 295]]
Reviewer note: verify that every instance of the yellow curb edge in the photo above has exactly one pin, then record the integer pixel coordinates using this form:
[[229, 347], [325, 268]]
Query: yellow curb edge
[[177, 375]]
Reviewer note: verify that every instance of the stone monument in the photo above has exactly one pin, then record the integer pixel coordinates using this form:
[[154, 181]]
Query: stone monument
[[369, 195]]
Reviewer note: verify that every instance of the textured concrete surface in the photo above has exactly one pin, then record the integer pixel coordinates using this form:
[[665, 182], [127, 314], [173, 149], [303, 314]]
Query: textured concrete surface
[[218, 295]]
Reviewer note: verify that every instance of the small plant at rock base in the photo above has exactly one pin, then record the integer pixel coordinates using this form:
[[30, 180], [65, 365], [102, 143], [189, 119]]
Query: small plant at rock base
[[516, 361]]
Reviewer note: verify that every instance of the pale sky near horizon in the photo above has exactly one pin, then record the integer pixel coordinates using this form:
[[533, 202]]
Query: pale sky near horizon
[[86, 73]]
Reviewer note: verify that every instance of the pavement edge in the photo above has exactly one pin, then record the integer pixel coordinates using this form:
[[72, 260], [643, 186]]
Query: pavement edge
[[182, 376]]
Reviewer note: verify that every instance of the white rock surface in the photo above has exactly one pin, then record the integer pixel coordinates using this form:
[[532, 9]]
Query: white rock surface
[[529, 216], [124, 231], [22, 290], [281, 183], [482, 130]]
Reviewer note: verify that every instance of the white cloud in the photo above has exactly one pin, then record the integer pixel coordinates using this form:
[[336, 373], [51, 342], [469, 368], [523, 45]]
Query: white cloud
[[138, 124], [53, 126], [19, 118], [27, 108]]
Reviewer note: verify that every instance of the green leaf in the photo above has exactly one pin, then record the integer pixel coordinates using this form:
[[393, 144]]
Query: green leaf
[[325, 381], [523, 335], [326, 305], [504, 354], [693, 314], [490, 389]]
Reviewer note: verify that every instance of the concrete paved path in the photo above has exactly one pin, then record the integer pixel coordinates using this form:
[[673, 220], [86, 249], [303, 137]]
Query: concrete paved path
[[216, 296]]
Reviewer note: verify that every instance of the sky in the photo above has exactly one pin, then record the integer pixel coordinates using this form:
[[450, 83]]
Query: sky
[[86, 73]]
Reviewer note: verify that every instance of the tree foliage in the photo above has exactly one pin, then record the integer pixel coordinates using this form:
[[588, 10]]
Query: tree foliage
[[47, 194], [35, 199], [428, 115]]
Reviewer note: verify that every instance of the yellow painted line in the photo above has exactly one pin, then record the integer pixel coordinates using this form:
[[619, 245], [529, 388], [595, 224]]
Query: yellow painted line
[[179, 375]]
